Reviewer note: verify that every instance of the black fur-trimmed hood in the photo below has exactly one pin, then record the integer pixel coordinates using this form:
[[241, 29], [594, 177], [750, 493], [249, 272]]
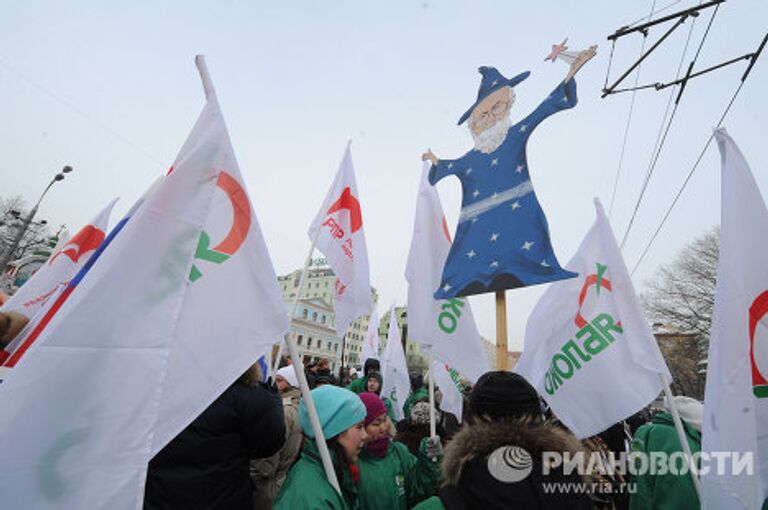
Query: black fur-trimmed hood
[[481, 438]]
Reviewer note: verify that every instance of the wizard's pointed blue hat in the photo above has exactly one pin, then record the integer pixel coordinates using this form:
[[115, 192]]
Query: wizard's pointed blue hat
[[492, 81]]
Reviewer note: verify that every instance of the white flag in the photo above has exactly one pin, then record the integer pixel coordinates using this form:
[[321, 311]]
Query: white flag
[[736, 398], [446, 327], [122, 346], [338, 228], [59, 269], [397, 385], [370, 348], [589, 350], [447, 379]]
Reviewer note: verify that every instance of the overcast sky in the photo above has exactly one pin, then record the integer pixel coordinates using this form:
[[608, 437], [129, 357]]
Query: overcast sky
[[111, 89]]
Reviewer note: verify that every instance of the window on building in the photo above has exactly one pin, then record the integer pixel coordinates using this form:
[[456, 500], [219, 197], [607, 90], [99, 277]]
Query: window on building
[[304, 313], [309, 341], [336, 349], [323, 319], [314, 316], [329, 348], [299, 339]]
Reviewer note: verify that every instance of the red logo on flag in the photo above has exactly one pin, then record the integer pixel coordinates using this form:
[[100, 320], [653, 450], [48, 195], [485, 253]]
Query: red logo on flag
[[88, 239], [756, 312], [241, 224], [600, 282], [348, 201]]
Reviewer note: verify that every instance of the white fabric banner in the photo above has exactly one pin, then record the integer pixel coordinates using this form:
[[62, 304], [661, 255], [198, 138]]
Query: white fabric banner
[[397, 385], [589, 350], [338, 228], [61, 267], [371, 343], [446, 328], [447, 379], [122, 348], [736, 398]]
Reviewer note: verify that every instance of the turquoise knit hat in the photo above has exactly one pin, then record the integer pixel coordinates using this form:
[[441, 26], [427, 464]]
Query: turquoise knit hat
[[337, 408]]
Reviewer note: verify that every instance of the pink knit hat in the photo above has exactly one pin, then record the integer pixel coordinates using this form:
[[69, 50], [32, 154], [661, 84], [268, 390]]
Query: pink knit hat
[[374, 406]]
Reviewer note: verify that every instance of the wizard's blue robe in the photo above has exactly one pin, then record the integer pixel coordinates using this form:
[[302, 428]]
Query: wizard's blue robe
[[502, 239]]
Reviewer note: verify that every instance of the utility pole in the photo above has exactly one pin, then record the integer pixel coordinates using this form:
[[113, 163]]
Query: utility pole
[[28, 219]]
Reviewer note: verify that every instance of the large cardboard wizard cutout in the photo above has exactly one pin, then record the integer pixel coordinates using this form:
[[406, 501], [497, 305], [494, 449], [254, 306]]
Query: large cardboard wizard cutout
[[502, 238]]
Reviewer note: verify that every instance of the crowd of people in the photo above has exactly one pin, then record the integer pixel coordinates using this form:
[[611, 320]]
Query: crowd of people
[[255, 448]]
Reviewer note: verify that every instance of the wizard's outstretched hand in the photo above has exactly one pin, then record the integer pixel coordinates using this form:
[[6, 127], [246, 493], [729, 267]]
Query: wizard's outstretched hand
[[429, 156], [582, 59]]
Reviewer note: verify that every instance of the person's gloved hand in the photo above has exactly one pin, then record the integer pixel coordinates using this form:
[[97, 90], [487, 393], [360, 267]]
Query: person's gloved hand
[[433, 447]]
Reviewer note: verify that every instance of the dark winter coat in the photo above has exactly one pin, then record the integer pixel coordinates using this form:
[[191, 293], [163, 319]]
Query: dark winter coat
[[468, 484], [206, 465], [411, 434]]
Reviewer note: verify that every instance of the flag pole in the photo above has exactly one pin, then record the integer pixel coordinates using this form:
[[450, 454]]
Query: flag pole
[[298, 366], [343, 346], [295, 304], [502, 357], [432, 424], [325, 456], [681, 435]]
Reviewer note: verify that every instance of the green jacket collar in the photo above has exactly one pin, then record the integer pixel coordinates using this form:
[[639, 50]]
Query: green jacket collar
[[312, 454], [665, 418]]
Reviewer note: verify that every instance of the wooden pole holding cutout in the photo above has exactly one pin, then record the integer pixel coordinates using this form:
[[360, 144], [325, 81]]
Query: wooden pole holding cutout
[[502, 358]]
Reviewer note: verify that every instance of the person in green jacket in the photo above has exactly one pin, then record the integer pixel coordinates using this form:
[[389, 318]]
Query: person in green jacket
[[391, 478], [419, 393], [668, 491], [373, 384], [341, 414], [359, 385]]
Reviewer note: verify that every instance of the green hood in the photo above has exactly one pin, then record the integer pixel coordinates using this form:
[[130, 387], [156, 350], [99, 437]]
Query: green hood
[[665, 418]]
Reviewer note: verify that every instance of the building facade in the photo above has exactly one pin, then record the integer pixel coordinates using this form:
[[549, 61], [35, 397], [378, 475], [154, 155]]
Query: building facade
[[312, 329], [683, 355], [318, 291]]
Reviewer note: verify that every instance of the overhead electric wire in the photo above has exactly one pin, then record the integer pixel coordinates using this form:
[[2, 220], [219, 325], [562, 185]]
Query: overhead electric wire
[[80, 112], [629, 115], [653, 13], [660, 141], [687, 179], [610, 60]]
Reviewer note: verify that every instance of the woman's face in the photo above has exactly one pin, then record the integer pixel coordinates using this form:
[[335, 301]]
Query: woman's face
[[352, 441], [373, 385], [378, 428]]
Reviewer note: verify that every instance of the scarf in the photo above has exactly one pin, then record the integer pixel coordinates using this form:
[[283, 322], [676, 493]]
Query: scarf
[[378, 447]]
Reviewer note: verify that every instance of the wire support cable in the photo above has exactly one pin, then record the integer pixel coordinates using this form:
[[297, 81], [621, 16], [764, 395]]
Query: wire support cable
[[686, 181], [663, 131]]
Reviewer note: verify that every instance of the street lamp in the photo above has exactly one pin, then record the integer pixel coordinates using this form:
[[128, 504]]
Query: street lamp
[[9, 253]]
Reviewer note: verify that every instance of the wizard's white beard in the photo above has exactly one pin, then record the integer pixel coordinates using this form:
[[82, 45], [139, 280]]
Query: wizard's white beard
[[490, 139]]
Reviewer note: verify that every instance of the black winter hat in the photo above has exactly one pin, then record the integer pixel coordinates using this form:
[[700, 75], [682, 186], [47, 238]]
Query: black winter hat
[[371, 364], [417, 380], [502, 394]]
